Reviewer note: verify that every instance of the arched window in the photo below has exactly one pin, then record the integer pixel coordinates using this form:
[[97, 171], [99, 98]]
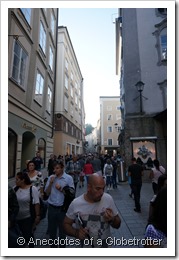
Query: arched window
[[163, 44], [12, 147], [161, 41]]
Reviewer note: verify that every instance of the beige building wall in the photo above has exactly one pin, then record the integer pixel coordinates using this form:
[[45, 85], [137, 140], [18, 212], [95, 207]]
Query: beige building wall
[[30, 114], [110, 118], [69, 107]]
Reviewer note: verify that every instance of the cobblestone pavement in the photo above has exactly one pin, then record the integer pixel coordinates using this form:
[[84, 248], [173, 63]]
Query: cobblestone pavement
[[133, 224]]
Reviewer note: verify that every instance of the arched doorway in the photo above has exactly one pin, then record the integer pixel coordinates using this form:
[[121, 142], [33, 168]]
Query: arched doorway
[[28, 148], [42, 149], [12, 147]]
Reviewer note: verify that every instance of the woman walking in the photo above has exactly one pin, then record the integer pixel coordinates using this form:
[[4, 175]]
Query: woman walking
[[155, 173], [26, 196]]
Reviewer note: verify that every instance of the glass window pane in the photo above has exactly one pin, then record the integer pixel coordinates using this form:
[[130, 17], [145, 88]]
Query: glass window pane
[[27, 13]]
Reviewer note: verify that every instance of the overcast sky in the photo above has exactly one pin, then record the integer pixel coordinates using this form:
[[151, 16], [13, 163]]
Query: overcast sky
[[92, 33]]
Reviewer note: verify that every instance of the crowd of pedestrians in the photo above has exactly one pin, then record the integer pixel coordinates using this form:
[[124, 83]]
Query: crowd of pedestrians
[[90, 215]]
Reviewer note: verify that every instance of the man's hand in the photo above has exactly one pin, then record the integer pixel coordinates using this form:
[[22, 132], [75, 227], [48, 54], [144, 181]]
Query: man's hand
[[52, 179], [82, 233], [108, 215], [58, 187]]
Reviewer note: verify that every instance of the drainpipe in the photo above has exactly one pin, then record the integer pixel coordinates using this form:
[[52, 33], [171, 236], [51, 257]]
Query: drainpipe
[[55, 75]]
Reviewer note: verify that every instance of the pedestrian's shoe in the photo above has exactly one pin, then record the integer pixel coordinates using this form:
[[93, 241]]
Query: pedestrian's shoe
[[137, 210]]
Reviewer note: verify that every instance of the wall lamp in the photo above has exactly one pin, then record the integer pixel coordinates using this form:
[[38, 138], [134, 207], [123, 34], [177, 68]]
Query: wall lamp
[[140, 87]]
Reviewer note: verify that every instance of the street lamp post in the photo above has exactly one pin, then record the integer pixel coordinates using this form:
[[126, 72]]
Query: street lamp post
[[140, 87]]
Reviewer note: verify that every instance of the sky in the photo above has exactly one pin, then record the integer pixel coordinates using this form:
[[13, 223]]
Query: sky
[[92, 33]]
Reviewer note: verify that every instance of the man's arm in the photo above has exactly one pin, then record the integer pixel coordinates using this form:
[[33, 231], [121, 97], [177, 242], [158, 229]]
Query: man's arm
[[115, 222], [49, 184]]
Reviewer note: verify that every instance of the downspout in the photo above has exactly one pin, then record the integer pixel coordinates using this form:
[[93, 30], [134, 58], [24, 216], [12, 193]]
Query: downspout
[[53, 111]]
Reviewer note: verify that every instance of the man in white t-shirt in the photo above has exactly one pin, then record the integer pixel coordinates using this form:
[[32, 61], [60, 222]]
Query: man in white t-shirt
[[90, 216]]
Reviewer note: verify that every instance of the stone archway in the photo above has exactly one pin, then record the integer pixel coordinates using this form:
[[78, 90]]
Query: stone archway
[[28, 148], [12, 148]]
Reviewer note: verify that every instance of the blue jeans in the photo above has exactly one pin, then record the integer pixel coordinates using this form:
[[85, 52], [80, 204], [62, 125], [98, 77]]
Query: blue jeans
[[109, 180], [55, 224]]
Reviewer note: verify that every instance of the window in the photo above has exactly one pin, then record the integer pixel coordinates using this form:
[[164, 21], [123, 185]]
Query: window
[[66, 127], [39, 88], [65, 103], [76, 85], [109, 141], [66, 64], [51, 58], [19, 64], [52, 25], [71, 88], [79, 105], [109, 129], [72, 76], [76, 99], [161, 41], [27, 14], [79, 92], [42, 37], [163, 44], [49, 99], [71, 109], [118, 117], [66, 81]]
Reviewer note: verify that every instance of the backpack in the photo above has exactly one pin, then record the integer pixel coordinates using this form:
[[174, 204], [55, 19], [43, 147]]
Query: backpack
[[70, 167], [108, 169]]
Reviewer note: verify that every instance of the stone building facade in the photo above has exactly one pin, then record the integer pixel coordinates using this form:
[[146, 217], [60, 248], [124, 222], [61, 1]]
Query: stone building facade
[[31, 82], [141, 63], [69, 111]]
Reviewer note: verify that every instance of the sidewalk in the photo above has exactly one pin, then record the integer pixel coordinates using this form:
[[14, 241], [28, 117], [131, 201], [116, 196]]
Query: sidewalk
[[132, 224]]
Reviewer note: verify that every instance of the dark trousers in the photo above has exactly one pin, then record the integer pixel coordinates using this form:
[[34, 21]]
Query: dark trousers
[[114, 180], [136, 188], [55, 224], [155, 187], [25, 226], [109, 180]]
